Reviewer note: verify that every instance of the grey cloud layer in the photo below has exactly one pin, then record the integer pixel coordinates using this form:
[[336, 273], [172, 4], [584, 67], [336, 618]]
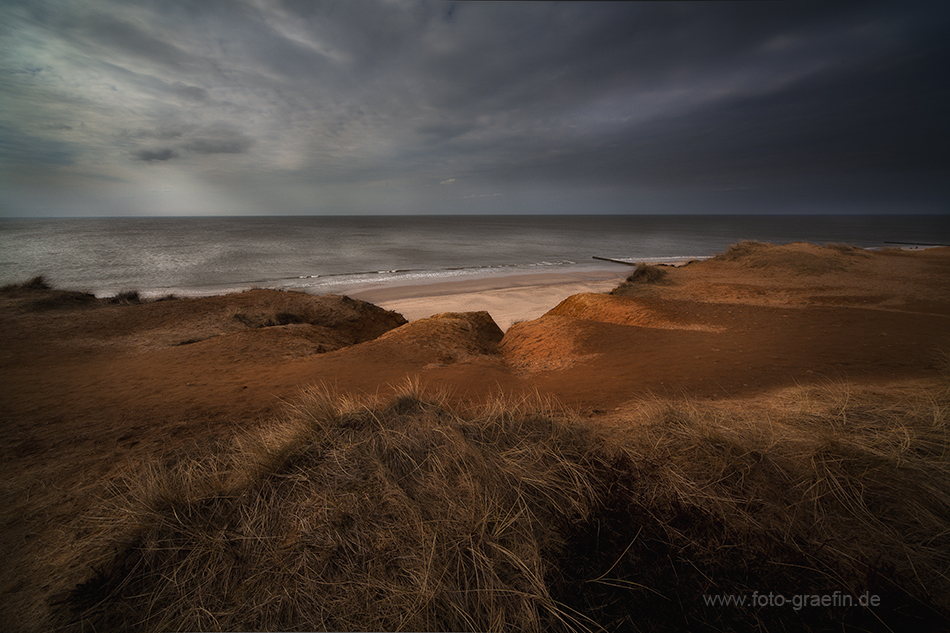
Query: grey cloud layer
[[599, 94], [216, 139]]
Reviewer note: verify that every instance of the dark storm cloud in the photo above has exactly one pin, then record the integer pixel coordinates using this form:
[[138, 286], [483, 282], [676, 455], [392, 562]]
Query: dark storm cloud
[[835, 122], [814, 89], [299, 96], [651, 92], [149, 155], [218, 140]]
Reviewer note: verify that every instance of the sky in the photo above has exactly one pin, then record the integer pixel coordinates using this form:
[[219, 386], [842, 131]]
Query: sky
[[256, 107]]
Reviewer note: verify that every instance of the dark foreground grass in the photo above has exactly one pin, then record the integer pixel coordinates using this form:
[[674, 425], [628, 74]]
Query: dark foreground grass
[[407, 515]]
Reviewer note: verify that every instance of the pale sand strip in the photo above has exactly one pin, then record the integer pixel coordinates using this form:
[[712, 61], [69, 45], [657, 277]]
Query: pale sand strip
[[507, 298]]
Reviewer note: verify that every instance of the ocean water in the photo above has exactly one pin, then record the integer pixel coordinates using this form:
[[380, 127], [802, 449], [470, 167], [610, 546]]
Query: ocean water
[[214, 255]]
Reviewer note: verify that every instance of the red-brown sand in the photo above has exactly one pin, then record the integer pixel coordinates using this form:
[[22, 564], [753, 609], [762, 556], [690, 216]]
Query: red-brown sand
[[90, 388]]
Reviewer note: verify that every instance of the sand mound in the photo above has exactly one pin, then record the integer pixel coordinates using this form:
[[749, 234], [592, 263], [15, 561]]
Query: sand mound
[[638, 312], [545, 344], [335, 321], [287, 341], [442, 339], [797, 258], [572, 331], [352, 321]]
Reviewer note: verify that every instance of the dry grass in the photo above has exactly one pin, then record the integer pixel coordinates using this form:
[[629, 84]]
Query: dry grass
[[644, 274], [268, 320], [848, 249], [45, 296], [796, 258], [406, 515], [351, 515], [126, 297], [39, 282], [41, 296], [647, 274], [62, 299], [820, 490]]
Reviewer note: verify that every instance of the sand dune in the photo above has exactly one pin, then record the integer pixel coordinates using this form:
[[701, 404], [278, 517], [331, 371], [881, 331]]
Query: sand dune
[[90, 387]]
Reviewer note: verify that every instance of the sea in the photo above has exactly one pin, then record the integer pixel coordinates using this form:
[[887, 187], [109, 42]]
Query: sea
[[193, 256]]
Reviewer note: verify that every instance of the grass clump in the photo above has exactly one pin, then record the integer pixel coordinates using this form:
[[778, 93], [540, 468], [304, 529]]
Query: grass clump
[[41, 296], [643, 275], [39, 282], [408, 515], [647, 274], [797, 258], [268, 320], [282, 318], [126, 297], [849, 249], [62, 299]]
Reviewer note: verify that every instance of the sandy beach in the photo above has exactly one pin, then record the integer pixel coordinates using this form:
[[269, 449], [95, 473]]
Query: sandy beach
[[93, 389], [507, 298]]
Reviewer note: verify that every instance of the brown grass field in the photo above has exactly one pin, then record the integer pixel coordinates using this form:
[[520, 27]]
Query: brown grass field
[[770, 425]]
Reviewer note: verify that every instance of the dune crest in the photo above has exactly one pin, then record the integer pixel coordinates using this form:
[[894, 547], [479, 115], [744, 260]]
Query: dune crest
[[442, 339], [798, 258], [633, 311]]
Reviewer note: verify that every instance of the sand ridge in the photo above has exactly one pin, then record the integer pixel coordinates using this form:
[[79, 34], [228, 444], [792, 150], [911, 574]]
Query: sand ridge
[[633, 311]]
